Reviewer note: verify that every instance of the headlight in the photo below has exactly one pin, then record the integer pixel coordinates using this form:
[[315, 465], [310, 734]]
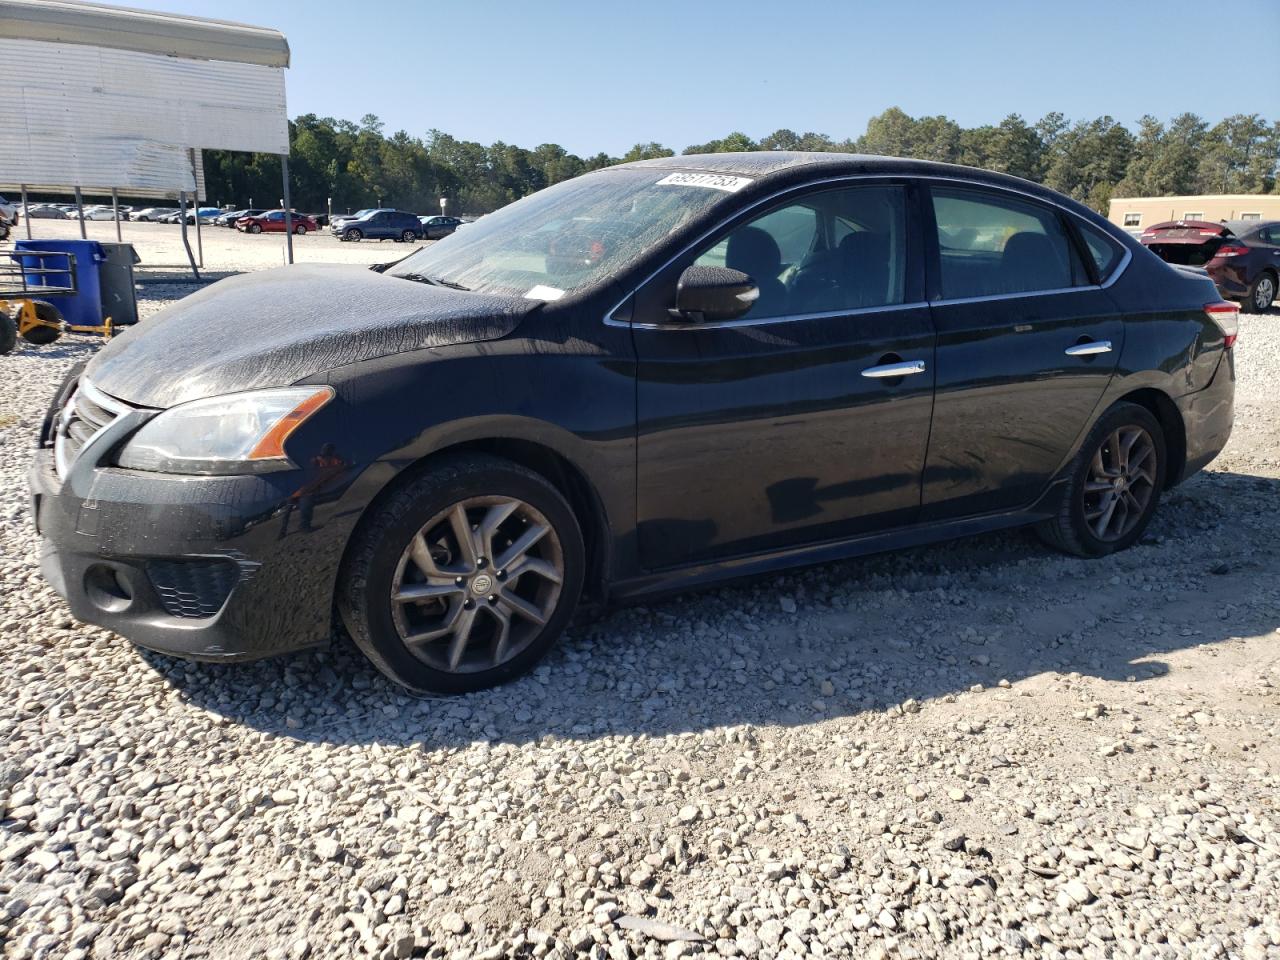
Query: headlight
[[238, 433]]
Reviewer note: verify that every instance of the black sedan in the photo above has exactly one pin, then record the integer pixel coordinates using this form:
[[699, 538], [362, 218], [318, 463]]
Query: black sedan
[[434, 228], [652, 377]]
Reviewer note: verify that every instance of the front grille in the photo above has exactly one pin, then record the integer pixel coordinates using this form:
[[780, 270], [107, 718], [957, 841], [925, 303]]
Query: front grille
[[86, 413], [192, 589]]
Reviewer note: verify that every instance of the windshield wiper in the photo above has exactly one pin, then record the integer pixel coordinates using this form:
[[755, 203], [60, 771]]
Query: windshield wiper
[[434, 281]]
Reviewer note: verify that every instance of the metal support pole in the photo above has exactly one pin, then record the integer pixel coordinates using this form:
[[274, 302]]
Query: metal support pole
[[191, 153], [80, 209], [288, 209], [199, 237], [182, 219], [26, 214], [115, 210]]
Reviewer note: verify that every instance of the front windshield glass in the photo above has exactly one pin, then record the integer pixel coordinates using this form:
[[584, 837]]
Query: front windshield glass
[[567, 237]]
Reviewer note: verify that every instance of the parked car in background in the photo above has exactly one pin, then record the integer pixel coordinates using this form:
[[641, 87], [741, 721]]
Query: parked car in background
[[380, 225], [103, 212], [9, 211], [45, 211], [170, 217], [273, 222], [358, 215], [229, 218], [207, 215], [152, 214], [433, 228], [1242, 256], [923, 351]]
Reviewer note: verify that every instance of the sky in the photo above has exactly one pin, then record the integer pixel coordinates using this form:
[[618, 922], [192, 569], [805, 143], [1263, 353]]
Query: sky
[[603, 75]]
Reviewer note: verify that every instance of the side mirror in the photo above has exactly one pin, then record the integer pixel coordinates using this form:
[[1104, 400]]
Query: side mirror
[[714, 293]]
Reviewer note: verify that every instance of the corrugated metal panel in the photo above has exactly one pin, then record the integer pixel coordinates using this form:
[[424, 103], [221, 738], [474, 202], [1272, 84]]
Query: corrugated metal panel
[[137, 168], [65, 89], [145, 31]]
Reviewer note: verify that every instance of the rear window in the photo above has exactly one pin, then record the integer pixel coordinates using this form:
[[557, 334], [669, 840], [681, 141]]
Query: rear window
[[1105, 251]]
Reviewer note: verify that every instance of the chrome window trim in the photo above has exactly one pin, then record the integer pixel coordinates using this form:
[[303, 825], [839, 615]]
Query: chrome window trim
[[117, 408], [851, 178], [761, 321]]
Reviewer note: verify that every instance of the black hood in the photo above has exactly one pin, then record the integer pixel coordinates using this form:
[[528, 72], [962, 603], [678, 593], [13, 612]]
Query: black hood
[[277, 327]]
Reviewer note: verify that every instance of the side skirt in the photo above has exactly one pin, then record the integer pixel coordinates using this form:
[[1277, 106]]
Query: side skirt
[[680, 579]]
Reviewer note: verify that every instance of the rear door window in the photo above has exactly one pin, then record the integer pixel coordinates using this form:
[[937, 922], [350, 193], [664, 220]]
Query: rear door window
[[994, 245]]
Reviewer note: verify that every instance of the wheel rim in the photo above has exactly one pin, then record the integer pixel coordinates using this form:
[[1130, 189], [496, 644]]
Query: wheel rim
[[476, 584], [1265, 293], [1121, 482], [407, 236]]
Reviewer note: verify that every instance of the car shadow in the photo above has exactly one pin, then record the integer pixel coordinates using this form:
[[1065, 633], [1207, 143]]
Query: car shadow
[[868, 634]]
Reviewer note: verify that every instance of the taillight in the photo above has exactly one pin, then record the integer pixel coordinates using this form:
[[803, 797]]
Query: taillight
[[1231, 250], [1227, 316]]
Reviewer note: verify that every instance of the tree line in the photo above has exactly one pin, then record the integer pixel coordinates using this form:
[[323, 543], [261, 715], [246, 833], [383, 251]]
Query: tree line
[[360, 165]]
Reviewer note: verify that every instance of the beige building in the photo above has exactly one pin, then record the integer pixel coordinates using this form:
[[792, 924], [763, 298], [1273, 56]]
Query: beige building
[[1137, 213]]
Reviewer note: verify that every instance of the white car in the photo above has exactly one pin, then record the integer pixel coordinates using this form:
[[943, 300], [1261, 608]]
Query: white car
[[103, 213], [150, 214], [8, 210]]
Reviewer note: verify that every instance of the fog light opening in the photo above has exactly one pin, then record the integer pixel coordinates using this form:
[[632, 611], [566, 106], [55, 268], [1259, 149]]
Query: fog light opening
[[106, 589]]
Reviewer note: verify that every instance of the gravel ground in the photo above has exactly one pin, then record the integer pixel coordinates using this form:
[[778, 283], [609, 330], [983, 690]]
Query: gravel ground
[[976, 749]]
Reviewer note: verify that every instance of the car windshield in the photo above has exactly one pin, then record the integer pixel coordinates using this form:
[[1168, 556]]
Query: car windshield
[[564, 238]]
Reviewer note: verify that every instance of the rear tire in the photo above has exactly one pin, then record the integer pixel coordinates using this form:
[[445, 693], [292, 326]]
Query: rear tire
[[1262, 293], [1088, 524], [379, 566], [8, 334], [41, 336]]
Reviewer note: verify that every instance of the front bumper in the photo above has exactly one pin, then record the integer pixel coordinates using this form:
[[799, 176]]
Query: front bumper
[[209, 568]]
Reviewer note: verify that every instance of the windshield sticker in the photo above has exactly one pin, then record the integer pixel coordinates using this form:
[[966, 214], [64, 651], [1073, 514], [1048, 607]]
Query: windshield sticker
[[543, 292], [712, 181]]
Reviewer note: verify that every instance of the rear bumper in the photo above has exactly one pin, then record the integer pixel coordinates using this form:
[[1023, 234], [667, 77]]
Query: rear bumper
[[209, 568], [1207, 416]]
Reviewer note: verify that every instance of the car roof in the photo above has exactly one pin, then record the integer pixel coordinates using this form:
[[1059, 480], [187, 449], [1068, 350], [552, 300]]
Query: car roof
[[779, 167]]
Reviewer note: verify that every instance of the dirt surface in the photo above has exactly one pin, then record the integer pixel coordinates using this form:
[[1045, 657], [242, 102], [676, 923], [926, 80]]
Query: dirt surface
[[976, 749]]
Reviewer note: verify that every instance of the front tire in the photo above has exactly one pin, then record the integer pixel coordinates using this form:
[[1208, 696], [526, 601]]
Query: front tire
[[1114, 485], [1262, 292], [465, 577], [43, 335], [352, 235], [300, 230], [254, 228]]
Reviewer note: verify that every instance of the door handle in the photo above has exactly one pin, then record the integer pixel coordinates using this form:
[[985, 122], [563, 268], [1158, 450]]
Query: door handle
[[904, 369], [1089, 348]]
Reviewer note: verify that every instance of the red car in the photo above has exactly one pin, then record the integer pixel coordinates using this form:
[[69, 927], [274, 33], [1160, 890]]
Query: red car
[[273, 222], [1242, 256]]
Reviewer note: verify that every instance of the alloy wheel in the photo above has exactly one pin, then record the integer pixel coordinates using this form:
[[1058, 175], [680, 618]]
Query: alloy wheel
[[477, 583], [1121, 482], [1264, 293]]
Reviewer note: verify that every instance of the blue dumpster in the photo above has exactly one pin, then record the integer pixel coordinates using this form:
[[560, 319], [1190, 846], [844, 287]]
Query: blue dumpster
[[84, 307]]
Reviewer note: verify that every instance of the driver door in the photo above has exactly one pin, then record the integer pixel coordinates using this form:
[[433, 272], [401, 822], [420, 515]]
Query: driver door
[[781, 428]]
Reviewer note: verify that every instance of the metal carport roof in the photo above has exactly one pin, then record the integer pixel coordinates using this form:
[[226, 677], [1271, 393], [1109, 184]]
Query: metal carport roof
[[144, 31]]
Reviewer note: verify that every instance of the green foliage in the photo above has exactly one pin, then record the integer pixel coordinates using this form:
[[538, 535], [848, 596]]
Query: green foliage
[[359, 165]]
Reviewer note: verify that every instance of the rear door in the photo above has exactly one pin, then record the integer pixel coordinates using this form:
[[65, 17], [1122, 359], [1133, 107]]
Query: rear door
[[1027, 342]]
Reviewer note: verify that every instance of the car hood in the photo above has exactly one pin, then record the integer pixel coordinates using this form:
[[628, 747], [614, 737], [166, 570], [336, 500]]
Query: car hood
[[277, 327]]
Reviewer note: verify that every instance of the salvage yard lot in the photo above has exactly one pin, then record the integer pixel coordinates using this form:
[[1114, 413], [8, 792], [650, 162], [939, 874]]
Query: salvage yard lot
[[974, 749]]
